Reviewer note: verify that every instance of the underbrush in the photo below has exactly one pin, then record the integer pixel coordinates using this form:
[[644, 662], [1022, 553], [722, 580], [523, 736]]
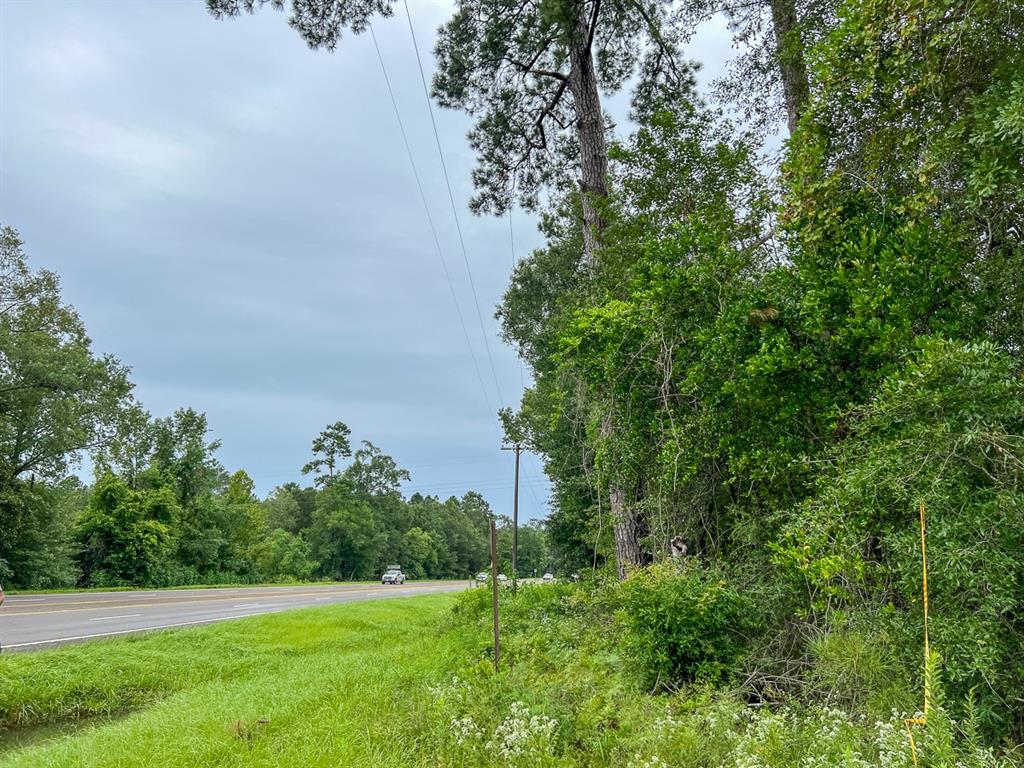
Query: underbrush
[[652, 673]]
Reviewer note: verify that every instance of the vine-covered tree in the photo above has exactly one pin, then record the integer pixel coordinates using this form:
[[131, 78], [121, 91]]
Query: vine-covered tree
[[531, 72]]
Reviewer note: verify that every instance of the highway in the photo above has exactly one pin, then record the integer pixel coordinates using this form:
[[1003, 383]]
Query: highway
[[31, 621]]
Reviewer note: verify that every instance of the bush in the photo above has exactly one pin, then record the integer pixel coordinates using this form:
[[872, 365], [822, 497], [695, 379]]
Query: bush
[[682, 623], [854, 667], [945, 433]]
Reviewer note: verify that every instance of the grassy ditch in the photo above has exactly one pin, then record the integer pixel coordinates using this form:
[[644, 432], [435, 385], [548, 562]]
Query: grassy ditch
[[333, 685]]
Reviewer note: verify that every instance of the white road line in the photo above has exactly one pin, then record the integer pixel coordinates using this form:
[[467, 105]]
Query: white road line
[[122, 616], [128, 631]]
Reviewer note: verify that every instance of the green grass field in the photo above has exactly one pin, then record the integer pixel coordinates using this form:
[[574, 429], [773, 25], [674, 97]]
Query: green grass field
[[330, 686]]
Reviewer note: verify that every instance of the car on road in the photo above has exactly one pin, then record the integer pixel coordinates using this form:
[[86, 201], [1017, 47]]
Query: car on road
[[548, 578], [483, 576], [502, 578], [393, 575]]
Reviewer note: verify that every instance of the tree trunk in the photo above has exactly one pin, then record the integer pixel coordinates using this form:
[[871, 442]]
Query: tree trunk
[[628, 531], [590, 134], [790, 53], [593, 189]]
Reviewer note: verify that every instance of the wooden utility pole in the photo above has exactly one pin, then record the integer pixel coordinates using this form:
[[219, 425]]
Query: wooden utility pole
[[494, 592], [515, 517]]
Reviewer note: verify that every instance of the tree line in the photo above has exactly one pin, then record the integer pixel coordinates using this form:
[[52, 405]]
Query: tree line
[[161, 509]]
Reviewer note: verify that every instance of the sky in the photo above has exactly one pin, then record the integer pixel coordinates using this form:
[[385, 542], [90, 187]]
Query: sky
[[234, 217]]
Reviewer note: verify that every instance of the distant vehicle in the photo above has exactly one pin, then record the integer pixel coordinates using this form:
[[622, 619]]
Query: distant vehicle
[[483, 576], [502, 578], [393, 575], [548, 578]]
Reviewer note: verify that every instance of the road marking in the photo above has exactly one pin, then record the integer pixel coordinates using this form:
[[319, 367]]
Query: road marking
[[432, 588], [168, 603], [75, 598], [128, 631], [122, 616], [338, 591]]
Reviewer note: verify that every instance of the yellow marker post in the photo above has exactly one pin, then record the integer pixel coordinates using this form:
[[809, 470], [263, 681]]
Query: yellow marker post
[[927, 651]]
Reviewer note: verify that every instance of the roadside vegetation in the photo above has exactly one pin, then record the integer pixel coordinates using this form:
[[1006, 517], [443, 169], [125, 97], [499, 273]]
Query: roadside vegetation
[[651, 672], [659, 671]]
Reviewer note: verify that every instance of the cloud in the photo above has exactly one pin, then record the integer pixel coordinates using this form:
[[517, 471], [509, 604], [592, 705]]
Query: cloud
[[134, 154], [68, 61]]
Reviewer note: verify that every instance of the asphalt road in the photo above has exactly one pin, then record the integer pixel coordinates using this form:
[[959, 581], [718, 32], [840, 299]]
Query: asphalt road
[[30, 621]]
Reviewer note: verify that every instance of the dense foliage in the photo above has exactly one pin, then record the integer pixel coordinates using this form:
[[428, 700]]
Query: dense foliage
[[565, 693], [785, 371]]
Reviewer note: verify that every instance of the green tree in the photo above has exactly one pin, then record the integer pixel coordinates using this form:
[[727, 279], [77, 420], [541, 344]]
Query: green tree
[[184, 455], [329, 446], [243, 521], [946, 431], [290, 507], [127, 535], [532, 74], [283, 556], [419, 554], [344, 536], [57, 398], [374, 473], [130, 449], [45, 557]]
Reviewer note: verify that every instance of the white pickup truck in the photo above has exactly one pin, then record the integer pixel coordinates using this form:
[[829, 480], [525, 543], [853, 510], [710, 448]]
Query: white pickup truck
[[393, 575]]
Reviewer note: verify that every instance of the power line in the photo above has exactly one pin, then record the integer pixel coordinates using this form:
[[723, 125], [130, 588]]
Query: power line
[[404, 464], [433, 229], [451, 198], [515, 263], [522, 375]]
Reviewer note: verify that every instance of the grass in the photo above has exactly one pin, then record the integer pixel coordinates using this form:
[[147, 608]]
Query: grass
[[333, 685], [410, 683]]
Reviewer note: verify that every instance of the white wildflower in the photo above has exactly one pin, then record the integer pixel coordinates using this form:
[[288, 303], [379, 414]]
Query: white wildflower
[[522, 733], [466, 731]]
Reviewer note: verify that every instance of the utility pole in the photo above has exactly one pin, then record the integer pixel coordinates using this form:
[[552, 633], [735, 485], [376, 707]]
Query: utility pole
[[494, 593], [515, 517]]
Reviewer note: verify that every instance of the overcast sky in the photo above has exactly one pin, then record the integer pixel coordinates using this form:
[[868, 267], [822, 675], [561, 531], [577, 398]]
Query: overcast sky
[[234, 216]]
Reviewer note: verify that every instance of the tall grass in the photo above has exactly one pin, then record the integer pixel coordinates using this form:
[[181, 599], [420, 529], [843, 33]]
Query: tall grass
[[332, 685]]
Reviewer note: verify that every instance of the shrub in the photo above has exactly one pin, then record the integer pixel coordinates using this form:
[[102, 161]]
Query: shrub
[[945, 433], [853, 667], [682, 623]]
